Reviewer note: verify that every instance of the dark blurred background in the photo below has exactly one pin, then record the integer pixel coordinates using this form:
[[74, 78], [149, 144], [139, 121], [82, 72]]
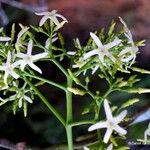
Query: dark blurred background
[[40, 128]]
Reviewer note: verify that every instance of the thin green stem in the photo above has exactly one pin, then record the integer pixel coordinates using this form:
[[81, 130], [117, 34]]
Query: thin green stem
[[60, 67], [69, 115], [45, 101], [46, 81], [82, 122]]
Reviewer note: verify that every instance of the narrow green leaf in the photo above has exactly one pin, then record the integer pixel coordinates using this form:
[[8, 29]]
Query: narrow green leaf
[[140, 70]]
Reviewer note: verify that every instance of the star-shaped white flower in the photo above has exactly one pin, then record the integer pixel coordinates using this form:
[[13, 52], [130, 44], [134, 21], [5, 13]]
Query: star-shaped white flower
[[102, 50], [132, 50], [8, 68], [53, 15], [29, 59], [111, 123]]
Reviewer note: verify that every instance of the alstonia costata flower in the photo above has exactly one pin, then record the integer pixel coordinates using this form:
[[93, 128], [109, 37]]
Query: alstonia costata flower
[[129, 53], [29, 59], [8, 68], [53, 15], [102, 50], [111, 123]]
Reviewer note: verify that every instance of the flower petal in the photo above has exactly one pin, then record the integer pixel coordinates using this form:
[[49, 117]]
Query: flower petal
[[28, 99], [96, 40], [120, 130], [3, 39], [91, 53], [29, 48], [99, 125], [107, 110], [112, 44], [110, 147], [34, 67], [39, 56], [107, 135], [22, 32], [120, 117], [43, 20]]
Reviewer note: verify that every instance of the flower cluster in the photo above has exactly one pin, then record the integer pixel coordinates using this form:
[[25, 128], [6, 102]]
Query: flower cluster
[[116, 50], [19, 57]]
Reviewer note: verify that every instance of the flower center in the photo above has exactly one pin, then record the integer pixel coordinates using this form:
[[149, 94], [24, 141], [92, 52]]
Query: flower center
[[110, 123], [28, 58]]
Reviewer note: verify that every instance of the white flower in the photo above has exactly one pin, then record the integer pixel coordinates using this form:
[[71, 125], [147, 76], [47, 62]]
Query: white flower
[[102, 50], [28, 59], [111, 123], [9, 68], [132, 50], [110, 147], [53, 15]]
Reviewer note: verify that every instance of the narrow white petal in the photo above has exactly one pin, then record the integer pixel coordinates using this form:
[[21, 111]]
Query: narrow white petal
[[29, 48], [55, 20], [3, 39], [107, 110], [95, 69], [42, 13], [71, 53], [39, 56], [91, 53], [43, 20], [21, 55], [112, 44], [15, 75], [22, 32], [108, 54], [98, 125], [120, 130], [110, 147], [58, 15], [20, 103], [22, 65], [107, 135], [8, 57], [128, 58], [96, 40], [126, 50], [5, 77], [54, 39], [120, 117], [28, 99], [34, 67]]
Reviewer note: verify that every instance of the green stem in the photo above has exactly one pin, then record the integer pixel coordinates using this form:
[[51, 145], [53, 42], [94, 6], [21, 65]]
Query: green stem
[[82, 122], [46, 81], [45, 101], [69, 115], [60, 67]]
